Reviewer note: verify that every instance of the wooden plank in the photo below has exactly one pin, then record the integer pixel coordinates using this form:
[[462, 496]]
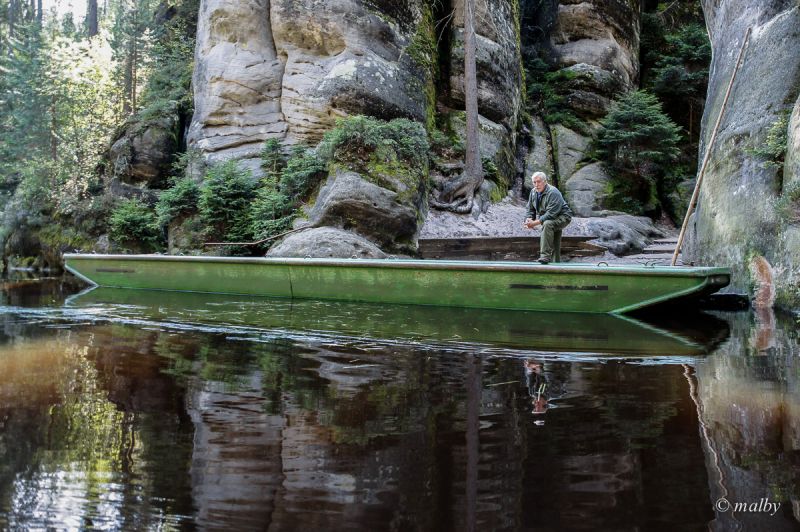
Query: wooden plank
[[501, 248]]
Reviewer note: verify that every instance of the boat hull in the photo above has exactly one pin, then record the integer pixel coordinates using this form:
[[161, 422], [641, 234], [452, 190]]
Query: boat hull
[[497, 285]]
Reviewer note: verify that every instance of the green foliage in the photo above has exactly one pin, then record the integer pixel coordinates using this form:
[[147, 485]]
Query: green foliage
[[675, 68], [272, 161], [490, 170], [640, 147], [278, 199], [302, 172], [773, 150], [787, 206], [235, 207], [134, 224], [546, 93], [225, 197], [356, 138], [637, 137], [172, 63], [181, 198], [446, 144]]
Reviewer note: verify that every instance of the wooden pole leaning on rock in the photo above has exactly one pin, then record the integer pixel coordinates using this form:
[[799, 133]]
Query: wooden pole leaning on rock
[[710, 145], [257, 242]]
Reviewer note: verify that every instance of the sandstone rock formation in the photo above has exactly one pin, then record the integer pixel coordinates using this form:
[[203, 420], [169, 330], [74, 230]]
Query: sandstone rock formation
[[287, 69], [385, 216], [736, 217], [142, 152], [499, 77], [326, 242], [598, 44]]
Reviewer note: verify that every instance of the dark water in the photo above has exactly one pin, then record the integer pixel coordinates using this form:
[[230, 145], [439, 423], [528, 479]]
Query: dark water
[[131, 410]]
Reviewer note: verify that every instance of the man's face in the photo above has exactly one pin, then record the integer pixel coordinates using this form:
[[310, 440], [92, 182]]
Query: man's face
[[539, 183]]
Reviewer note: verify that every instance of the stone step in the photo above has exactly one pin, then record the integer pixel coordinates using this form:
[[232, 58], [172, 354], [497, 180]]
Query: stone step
[[659, 248], [669, 240]]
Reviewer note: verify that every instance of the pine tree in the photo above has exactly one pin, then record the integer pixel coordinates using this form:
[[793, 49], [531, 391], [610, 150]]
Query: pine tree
[[636, 137]]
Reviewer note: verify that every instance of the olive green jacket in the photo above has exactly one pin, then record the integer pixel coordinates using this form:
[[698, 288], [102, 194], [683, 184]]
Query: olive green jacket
[[550, 206]]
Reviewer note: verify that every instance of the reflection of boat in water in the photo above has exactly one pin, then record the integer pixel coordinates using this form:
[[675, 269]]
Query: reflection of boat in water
[[539, 331]]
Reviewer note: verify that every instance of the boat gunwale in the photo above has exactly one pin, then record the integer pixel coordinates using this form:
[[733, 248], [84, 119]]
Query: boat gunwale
[[424, 264]]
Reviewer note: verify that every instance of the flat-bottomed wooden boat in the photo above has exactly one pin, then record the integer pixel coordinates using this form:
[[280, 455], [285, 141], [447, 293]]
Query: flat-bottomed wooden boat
[[496, 285]]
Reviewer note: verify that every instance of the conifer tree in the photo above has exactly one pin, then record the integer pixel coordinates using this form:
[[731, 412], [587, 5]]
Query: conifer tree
[[636, 137]]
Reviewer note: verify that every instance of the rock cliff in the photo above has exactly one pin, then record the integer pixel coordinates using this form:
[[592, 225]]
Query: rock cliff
[[596, 44], [748, 208], [287, 69]]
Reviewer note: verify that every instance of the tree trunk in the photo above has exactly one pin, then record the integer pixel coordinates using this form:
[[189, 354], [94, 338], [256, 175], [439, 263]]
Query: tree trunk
[[458, 195], [472, 164], [91, 18], [39, 12], [127, 81], [53, 129], [134, 65]]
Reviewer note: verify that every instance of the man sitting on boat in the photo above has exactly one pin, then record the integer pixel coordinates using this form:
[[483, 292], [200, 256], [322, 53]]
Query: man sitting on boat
[[547, 208]]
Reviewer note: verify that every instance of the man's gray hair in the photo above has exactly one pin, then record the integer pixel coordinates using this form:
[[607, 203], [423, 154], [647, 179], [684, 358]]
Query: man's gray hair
[[539, 174]]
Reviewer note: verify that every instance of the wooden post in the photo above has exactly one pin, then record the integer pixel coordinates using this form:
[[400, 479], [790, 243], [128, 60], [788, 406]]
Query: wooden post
[[710, 145]]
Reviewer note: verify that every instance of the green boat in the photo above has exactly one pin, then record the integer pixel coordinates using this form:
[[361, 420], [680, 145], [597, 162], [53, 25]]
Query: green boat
[[507, 331], [495, 285]]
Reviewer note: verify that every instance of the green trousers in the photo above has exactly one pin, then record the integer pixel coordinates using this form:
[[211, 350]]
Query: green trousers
[[550, 241]]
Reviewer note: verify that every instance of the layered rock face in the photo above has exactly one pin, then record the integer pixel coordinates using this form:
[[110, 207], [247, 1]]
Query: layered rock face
[[737, 220], [287, 69], [597, 42], [499, 77]]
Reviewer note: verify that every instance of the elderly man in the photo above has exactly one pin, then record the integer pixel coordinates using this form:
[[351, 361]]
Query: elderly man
[[547, 208]]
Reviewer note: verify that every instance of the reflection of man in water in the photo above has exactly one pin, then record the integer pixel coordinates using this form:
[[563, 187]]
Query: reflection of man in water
[[538, 387]]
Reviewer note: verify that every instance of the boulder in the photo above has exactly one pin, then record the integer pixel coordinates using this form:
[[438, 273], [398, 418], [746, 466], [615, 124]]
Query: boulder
[[326, 242], [349, 201], [622, 234], [495, 143], [143, 151], [586, 190], [600, 34], [569, 149], [539, 157], [592, 89]]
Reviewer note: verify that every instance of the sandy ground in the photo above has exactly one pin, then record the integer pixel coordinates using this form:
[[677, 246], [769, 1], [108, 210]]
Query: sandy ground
[[501, 219], [505, 219]]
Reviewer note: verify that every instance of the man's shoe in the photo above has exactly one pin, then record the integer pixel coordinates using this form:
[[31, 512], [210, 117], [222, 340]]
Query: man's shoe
[[542, 260]]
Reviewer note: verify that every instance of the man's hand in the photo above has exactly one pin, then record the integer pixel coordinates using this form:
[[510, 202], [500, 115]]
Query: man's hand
[[531, 223]]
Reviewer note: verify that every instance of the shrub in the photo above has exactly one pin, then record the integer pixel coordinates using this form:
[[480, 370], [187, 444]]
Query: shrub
[[272, 161], [773, 150], [134, 224], [182, 198], [639, 145], [303, 171], [358, 137], [637, 137], [225, 192], [225, 197]]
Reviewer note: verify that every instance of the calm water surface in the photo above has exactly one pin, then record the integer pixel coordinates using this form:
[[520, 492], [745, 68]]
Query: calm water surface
[[131, 410]]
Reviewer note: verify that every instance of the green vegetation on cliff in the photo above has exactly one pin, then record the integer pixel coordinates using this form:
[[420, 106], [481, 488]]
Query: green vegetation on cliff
[[638, 142]]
